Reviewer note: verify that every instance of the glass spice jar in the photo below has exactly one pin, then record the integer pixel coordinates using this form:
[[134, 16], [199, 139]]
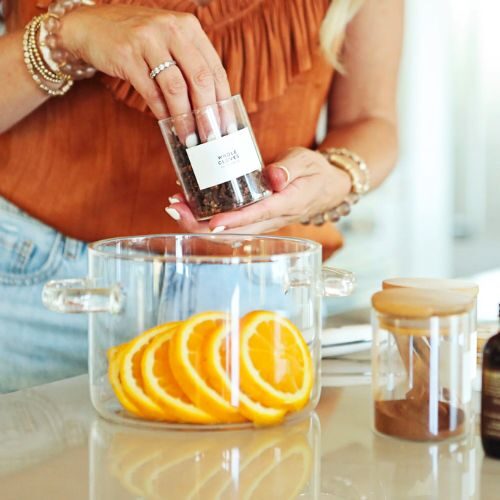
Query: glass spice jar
[[421, 363], [216, 157], [440, 284]]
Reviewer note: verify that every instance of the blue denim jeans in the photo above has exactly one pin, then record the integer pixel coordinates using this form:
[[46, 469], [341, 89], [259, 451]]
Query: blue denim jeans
[[36, 345]]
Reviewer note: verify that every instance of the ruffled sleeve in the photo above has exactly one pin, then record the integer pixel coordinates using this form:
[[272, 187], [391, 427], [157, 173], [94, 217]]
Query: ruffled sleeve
[[263, 44]]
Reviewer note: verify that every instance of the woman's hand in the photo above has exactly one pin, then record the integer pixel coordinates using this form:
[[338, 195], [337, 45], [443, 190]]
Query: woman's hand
[[128, 41], [304, 184]]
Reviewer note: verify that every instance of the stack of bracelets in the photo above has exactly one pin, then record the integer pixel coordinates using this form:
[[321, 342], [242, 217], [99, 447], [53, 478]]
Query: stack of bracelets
[[357, 170], [52, 68]]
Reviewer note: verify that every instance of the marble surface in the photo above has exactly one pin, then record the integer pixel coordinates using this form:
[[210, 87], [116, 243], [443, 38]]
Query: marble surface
[[53, 446]]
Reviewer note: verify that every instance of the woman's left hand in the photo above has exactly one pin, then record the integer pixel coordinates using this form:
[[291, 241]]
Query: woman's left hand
[[304, 184]]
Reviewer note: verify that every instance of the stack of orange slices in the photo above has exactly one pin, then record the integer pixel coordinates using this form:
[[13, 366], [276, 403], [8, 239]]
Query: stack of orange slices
[[212, 369]]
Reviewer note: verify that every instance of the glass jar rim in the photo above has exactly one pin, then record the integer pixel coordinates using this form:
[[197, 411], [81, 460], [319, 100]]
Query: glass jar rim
[[107, 248], [197, 111]]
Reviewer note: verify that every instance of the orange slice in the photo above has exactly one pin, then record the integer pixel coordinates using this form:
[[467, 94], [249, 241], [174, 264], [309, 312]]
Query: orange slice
[[115, 356], [161, 386], [276, 368], [215, 364], [186, 360], [131, 374]]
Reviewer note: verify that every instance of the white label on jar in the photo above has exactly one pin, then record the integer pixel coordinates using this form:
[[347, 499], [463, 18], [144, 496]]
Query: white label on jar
[[224, 159]]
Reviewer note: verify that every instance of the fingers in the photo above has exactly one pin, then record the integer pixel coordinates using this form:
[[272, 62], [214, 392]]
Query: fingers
[[196, 70], [298, 163], [190, 82], [172, 86], [304, 184], [267, 226], [298, 182], [139, 78], [277, 176], [179, 211], [199, 80], [222, 89], [227, 114], [171, 81], [185, 219], [279, 204]]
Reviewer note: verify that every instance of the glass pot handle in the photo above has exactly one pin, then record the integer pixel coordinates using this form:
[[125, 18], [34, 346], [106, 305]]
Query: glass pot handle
[[336, 282], [333, 282], [81, 296]]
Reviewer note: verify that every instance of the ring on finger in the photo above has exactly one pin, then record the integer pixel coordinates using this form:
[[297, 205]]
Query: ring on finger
[[161, 67]]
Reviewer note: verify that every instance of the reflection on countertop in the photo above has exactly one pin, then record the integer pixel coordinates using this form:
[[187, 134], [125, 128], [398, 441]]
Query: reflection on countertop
[[39, 423], [358, 463], [53, 446], [273, 463]]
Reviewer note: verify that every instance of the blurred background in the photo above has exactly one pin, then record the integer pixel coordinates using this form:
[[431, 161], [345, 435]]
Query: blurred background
[[439, 213]]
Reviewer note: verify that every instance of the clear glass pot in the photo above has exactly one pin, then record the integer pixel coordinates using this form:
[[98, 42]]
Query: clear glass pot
[[421, 363], [202, 330]]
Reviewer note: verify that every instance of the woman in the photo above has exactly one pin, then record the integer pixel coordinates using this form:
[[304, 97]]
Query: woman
[[91, 163]]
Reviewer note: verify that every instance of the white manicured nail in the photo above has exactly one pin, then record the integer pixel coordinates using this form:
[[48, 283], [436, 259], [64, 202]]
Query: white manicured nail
[[232, 128], [218, 229], [191, 140], [173, 200], [287, 173], [173, 213], [211, 137]]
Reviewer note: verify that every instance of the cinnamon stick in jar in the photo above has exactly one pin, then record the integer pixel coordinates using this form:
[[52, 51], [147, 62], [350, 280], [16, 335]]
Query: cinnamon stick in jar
[[421, 378]]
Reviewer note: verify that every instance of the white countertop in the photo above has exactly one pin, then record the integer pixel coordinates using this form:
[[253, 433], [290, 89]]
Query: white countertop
[[53, 446]]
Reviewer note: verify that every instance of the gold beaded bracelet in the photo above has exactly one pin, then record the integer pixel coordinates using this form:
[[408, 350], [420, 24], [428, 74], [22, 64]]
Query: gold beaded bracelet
[[38, 69], [352, 164], [55, 55], [358, 171]]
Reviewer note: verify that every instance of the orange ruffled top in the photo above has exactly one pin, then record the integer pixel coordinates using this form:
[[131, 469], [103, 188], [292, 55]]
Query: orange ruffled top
[[93, 164]]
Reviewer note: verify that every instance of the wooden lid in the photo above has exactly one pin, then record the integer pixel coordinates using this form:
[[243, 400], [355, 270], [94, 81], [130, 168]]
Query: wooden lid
[[432, 284], [421, 303]]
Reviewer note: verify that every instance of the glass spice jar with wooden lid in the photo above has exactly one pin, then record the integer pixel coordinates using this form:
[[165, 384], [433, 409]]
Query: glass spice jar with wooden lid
[[437, 284], [421, 378], [457, 285]]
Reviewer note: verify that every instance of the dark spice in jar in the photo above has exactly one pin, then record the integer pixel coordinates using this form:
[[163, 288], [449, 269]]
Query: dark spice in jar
[[230, 195], [410, 419], [216, 158]]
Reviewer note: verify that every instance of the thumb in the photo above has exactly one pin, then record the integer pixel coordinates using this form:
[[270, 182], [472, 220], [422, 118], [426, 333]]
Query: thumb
[[283, 172], [277, 176]]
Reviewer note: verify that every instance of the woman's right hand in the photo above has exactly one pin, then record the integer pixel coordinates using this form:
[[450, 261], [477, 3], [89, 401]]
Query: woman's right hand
[[128, 41]]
